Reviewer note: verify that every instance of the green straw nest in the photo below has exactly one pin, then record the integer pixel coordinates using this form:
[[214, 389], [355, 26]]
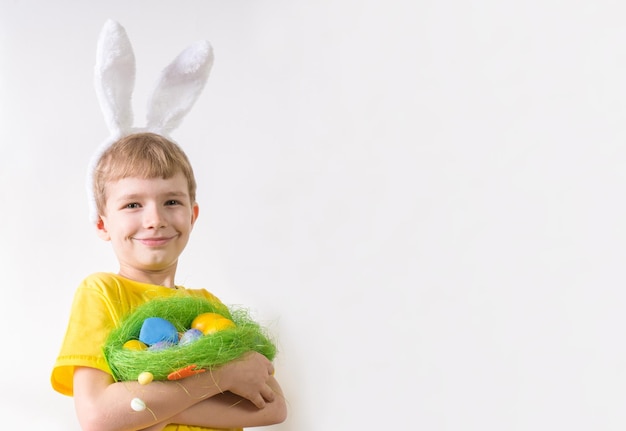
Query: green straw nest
[[209, 351]]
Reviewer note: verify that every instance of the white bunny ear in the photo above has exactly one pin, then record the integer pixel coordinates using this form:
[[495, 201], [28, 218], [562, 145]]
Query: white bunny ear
[[178, 88], [115, 77], [173, 96]]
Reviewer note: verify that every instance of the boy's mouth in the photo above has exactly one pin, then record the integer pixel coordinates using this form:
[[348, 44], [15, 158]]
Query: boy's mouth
[[154, 242]]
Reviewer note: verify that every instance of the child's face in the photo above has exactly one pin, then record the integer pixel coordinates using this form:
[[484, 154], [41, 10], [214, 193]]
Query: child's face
[[148, 222]]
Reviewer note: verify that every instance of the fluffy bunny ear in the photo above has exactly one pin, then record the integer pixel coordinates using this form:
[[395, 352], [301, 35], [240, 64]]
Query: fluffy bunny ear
[[178, 88], [114, 81], [115, 77], [175, 93]]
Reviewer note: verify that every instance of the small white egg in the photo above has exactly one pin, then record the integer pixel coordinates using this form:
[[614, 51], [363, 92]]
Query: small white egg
[[137, 404]]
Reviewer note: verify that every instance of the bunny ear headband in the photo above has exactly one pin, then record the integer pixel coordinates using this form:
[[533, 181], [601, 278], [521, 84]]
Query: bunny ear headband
[[175, 92]]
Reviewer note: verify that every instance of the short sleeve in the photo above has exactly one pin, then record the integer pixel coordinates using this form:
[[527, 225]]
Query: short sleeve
[[89, 324]]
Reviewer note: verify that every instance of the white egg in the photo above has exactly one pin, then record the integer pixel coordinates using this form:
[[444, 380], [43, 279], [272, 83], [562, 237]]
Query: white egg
[[137, 404]]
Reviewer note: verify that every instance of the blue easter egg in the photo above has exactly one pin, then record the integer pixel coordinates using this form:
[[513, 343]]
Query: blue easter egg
[[155, 329], [190, 336]]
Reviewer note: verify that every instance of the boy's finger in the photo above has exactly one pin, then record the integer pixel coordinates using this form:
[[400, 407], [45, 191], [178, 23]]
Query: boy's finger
[[268, 394], [258, 401]]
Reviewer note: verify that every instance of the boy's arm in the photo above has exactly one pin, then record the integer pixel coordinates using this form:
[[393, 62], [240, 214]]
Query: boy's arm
[[228, 410], [102, 405]]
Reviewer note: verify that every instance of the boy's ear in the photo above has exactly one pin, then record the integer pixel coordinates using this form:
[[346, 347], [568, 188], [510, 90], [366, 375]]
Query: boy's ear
[[195, 210], [101, 230]]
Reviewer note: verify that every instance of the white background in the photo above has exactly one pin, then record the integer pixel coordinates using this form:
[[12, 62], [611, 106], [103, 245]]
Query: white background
[[424, 200]]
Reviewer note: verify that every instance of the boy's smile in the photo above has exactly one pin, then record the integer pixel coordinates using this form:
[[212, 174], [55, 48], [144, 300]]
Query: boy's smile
[[154, 242], [148, 222]]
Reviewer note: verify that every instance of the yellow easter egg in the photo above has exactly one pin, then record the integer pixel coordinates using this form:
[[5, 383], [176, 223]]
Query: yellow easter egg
[[145, 378], [134, 345], [209, 323]]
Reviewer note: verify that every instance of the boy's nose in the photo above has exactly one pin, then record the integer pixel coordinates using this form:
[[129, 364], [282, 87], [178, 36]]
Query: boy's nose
[[153, 217]]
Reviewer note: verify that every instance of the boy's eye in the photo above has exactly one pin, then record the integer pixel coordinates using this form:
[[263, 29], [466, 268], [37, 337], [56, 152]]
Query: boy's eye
[[172, 202], [132, 206]]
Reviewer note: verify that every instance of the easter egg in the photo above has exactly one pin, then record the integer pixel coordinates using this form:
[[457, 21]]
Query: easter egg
[[145, 378], [190, 336], [155, 329], [134, 345], [137, 404], [209, 323]]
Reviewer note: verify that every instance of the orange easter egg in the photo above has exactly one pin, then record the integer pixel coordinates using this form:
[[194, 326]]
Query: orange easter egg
[[209, 323]]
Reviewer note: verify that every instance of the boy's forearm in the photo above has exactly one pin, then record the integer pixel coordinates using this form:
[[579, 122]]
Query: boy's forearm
[[228, 410], [221, 410], [102, 406]]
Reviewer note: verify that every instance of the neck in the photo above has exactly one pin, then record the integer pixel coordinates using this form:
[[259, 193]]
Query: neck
[[160, 278]]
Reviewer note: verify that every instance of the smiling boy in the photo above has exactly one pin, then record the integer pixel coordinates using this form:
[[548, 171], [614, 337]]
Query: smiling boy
[[144, 189]]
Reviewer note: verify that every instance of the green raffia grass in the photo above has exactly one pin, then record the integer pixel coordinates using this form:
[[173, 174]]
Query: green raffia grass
[[209, 351]]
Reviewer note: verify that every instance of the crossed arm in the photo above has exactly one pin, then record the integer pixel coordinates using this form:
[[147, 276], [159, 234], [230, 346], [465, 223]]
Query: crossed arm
[[242, 393]]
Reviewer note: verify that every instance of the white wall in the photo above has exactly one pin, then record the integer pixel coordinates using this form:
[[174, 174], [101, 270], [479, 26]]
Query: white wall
[[424, 200]]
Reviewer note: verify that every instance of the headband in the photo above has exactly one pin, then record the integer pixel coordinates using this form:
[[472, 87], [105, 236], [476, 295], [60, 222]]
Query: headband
[[175, 92]]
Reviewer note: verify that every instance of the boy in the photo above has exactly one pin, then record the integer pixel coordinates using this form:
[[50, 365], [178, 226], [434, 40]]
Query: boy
[[145, 196]]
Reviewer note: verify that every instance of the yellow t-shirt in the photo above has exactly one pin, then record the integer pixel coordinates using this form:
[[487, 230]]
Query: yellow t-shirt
[[100, 302]]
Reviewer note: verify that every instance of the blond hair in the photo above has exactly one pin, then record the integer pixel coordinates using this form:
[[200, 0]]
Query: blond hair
[[142, 155]]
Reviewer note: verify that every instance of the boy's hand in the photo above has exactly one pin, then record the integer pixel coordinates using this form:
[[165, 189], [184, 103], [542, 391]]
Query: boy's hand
[[248, 377]]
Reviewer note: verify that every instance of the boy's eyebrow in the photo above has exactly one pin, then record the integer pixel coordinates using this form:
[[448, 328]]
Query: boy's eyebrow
[[131, 196]]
